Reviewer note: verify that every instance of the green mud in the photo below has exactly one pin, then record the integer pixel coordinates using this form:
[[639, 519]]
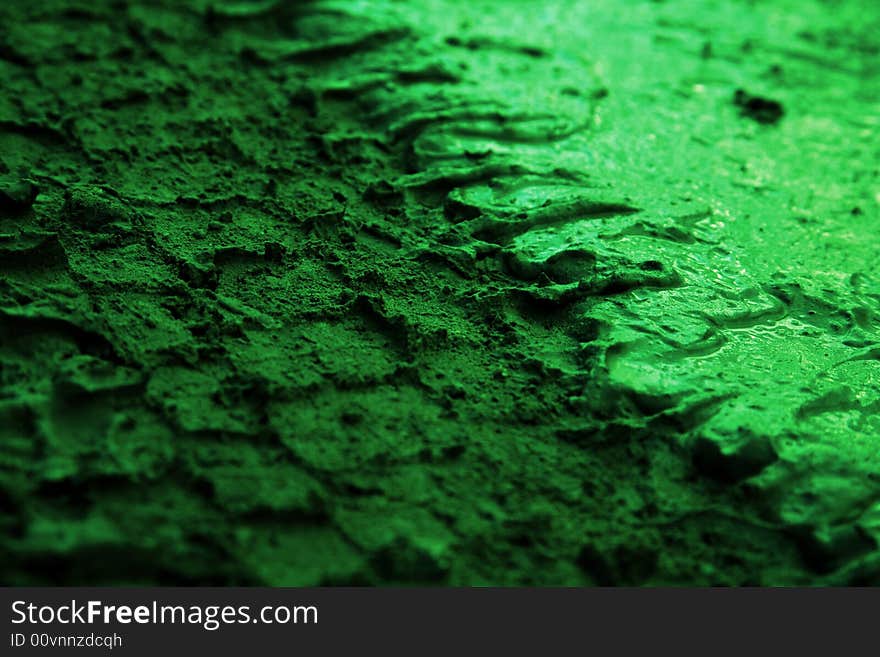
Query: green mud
[[497, 292]]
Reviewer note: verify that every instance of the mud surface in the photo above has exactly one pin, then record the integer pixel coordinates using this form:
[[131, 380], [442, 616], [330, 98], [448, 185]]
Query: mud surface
[[497, 292]]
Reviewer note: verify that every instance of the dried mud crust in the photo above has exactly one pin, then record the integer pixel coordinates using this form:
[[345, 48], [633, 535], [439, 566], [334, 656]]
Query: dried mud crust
[[341, 292]]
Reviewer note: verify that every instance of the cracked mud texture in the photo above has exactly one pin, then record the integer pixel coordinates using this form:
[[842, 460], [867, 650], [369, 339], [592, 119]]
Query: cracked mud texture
[[498, 292]]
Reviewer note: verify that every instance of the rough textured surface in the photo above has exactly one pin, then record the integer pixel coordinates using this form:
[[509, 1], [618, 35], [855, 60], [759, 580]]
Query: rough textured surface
[[497, 292]]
